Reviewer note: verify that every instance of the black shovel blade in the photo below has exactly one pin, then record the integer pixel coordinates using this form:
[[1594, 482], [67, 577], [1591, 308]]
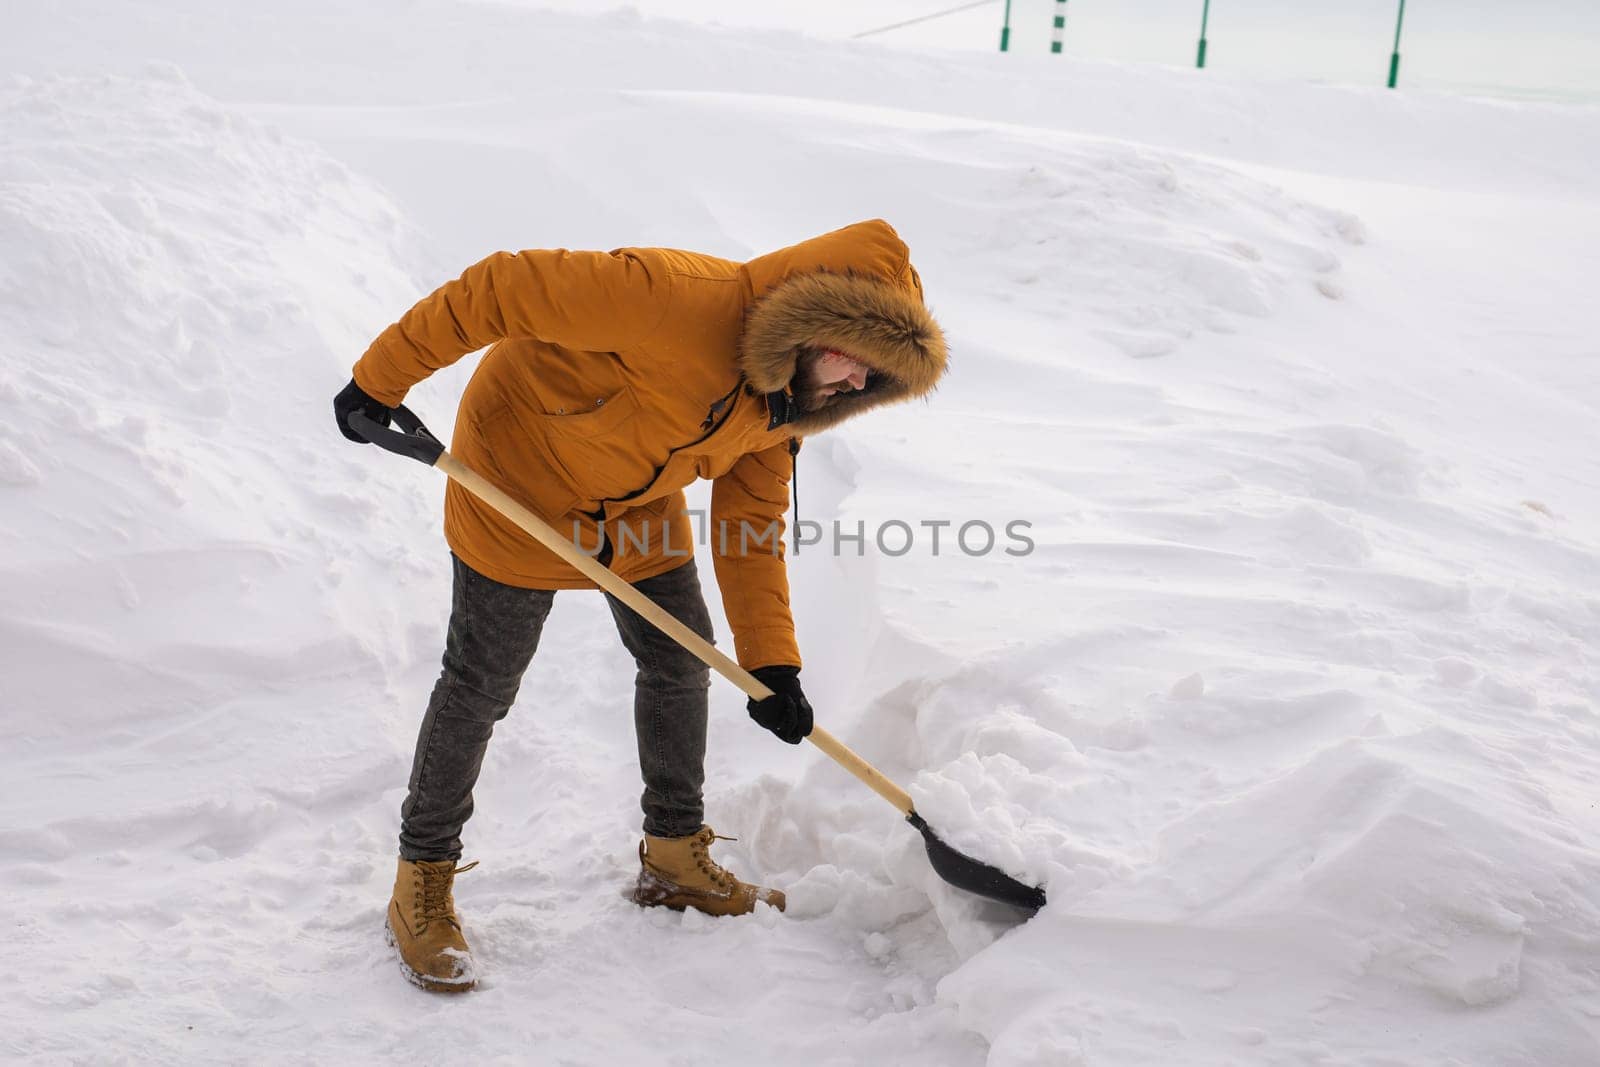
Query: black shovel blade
[[964, 872]]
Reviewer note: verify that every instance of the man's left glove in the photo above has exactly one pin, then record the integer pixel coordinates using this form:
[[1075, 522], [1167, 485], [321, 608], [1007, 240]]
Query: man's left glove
[[352, 399], [786, 712]]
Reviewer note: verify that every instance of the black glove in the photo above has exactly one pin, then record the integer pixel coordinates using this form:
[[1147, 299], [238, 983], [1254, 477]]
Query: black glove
[[786, 712], [352, 399]]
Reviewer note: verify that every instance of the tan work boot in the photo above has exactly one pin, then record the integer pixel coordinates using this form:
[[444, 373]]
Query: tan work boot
[[678, 873], [425, 929]]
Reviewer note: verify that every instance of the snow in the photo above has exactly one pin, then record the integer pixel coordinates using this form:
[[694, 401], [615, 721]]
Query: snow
[[1292, 706]]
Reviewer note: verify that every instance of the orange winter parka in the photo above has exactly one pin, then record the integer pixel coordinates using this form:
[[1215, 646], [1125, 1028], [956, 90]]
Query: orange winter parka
[[614, 379]]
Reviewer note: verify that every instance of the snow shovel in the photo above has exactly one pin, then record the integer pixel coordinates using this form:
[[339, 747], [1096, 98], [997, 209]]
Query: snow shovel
[[955, 867]]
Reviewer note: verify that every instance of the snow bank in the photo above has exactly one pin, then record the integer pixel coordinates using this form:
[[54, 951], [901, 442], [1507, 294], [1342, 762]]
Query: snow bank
[[169, 336]]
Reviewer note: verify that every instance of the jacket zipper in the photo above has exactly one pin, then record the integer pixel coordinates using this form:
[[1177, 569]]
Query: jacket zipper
[[714, 423]]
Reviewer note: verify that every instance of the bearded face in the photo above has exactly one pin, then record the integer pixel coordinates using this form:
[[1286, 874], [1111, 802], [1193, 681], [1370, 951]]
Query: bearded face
[[822, 373]]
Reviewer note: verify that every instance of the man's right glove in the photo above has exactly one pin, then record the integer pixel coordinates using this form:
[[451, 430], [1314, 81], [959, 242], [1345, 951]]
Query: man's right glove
[[786, 712], [352, 399]]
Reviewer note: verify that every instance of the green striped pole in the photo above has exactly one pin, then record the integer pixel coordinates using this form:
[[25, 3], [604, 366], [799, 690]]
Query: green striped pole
[[1394, 60], [1205, 16], [1060, 31], [1005, 29]]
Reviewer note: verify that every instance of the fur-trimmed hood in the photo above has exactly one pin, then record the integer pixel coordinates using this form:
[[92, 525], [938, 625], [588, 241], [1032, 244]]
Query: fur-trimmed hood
[[854, 291]]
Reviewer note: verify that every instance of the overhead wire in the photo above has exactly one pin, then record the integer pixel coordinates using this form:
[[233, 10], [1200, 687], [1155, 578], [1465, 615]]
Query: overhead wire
[[923, 18]]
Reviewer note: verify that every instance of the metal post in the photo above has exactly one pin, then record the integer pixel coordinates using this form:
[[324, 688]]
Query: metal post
[[1060, 31], [1394, 60], [1005, 29], [1205, 15]]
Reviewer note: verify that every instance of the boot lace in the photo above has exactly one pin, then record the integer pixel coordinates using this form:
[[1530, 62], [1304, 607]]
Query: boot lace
[[701, 850], [432, 884]]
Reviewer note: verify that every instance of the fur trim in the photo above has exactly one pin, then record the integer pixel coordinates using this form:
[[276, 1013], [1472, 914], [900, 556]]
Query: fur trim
[[874, 322]]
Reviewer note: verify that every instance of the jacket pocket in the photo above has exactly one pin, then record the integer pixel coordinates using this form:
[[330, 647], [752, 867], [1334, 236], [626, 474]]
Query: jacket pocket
[[519, 465], [602, 450], [606, 416]]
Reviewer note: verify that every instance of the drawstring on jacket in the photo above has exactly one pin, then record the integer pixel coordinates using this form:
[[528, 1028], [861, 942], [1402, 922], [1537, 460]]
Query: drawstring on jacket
[[781, 410], [794, 484]]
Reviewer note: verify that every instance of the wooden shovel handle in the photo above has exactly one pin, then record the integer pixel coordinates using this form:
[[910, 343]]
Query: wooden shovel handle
[[548, 536]]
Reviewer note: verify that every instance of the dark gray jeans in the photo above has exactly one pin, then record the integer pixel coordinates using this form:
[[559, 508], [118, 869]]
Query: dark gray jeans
[[494, 630]]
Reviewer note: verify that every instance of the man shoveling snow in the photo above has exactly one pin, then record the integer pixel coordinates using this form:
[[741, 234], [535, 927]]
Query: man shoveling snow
[[612, 381]]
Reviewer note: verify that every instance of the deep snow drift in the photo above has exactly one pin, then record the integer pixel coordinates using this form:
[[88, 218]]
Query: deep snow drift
[[1292, 704]]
